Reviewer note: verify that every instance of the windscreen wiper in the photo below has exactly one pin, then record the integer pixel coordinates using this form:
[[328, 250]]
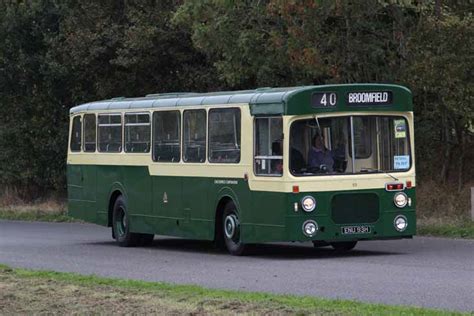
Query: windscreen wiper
[[378, 170], [317, 123]]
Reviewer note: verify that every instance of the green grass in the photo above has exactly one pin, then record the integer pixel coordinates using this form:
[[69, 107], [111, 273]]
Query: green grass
[[48, 291], [36, 215], [462, 230]]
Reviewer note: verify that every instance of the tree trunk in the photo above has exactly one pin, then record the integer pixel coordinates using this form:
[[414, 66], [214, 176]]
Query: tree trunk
[[438, 9], [447, 148], [461, 160]]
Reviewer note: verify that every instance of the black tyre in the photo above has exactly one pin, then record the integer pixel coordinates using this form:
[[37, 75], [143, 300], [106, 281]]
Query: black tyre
[[231, 231], [319, 244], [121, 227], [344, 245], [146, 239]]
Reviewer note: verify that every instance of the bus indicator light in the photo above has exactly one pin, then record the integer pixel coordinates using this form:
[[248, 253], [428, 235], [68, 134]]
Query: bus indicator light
[[394, 186], [408, 184], [296, 189]]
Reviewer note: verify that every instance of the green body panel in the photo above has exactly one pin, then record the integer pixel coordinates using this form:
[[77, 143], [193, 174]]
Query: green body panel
[[329, 231], [167, 216], [186, 206]]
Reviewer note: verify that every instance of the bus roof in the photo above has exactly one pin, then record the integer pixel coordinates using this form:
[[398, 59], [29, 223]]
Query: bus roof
[[275, 101]]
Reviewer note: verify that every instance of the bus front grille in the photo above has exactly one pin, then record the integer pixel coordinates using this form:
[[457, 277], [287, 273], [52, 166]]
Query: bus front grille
[[354, 208]]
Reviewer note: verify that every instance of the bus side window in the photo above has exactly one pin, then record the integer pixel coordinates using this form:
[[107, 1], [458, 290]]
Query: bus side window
[[194, 136], [268, 146], [137, 133], [166, 136], [110, 133], [76, 134], [89, 133], [224, 135]]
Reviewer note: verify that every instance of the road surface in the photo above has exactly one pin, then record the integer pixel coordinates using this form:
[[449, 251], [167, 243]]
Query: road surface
[[428, 272]]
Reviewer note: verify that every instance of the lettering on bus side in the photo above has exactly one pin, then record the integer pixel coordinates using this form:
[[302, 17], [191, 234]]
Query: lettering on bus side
[[370, 98], [225, 181]]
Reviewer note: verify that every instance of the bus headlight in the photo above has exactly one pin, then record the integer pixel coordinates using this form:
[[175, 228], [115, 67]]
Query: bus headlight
[[400, 199], [308, 203], [310, 228], [400, 222]]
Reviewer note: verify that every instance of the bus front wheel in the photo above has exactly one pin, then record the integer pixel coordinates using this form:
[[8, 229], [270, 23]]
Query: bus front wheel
[[121, 227], [344, 245], [231, 231]]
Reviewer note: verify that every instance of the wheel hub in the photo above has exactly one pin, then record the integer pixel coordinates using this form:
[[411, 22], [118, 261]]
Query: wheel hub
[[231, 224], [121, 221], [124, 222]]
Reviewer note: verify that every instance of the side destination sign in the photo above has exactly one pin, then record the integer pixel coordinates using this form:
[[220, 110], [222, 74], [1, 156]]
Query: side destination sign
[[370, 98]]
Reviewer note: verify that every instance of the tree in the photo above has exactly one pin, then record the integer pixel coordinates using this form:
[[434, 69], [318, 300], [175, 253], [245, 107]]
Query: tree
[[55, 55], [30, 130], [441, 71], [301, 42]]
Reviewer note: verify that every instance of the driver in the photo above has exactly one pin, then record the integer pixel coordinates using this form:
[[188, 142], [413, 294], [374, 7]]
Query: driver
[[319, 155]]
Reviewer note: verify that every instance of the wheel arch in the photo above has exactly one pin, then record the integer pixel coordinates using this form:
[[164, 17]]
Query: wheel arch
[[224, 196]]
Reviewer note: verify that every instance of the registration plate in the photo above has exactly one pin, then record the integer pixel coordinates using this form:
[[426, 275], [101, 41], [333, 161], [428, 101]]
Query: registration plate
[[350, 230]]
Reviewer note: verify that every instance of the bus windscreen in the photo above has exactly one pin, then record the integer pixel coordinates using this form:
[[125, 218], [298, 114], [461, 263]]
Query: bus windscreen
[[349, 145]]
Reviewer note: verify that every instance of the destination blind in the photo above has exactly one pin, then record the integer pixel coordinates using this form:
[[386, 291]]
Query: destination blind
[[370, 98]]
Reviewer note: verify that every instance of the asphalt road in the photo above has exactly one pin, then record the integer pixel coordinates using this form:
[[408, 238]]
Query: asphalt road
[[429, 272]]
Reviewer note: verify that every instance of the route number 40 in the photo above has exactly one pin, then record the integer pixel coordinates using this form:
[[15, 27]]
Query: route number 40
[[328, 97], [324, 99]]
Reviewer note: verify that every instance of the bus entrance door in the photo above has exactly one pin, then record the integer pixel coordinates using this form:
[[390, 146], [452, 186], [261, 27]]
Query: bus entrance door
[[198, 221]]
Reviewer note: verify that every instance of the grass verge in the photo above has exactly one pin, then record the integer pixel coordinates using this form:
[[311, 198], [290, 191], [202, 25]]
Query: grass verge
[[35, 215], [461, 230], [31, 292], [48, 210]]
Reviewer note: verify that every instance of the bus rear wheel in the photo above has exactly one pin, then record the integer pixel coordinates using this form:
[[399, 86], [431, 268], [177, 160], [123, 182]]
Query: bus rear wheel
[[121, 227], [344, 245], [231, 231]]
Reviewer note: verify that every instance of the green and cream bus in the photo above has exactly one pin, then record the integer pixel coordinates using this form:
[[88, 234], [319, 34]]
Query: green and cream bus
[[330, 164]]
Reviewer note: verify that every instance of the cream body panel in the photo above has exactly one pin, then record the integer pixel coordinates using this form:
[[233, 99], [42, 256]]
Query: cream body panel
[[330, 183]]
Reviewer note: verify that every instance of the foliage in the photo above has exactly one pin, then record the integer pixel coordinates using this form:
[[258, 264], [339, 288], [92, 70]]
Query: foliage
[[33, 121], [309, 42], [56, 54], [440, 74]]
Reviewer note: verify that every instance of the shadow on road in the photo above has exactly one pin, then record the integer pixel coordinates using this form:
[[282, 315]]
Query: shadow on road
[[296, 251], [287, 251]]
